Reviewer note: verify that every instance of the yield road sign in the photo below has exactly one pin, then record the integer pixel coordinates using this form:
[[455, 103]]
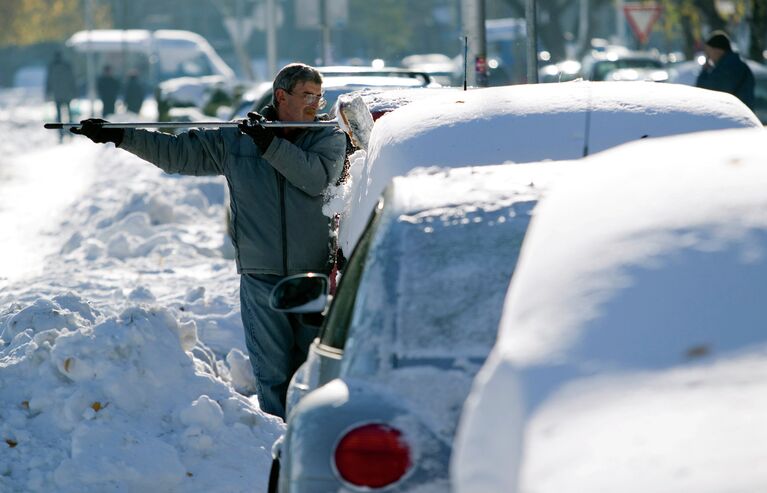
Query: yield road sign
[[641, 17]]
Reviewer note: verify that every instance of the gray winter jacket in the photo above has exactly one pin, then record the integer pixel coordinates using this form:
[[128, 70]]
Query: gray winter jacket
[[276, 198]]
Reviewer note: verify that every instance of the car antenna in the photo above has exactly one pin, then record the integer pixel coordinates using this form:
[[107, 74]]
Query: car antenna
[[465, 59]]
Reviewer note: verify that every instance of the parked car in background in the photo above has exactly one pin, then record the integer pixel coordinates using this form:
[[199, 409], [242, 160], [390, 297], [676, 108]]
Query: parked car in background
[[332, 87], [339, 80], [179, 66], [156, 55], [412, 320], [524, 123], [449, 129], [631, 352], [563, 71], [598, 64], [440, 67]]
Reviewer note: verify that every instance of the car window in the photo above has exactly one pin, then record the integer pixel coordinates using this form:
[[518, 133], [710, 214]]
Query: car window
[[453, 279], [439, 282], [335, 328]]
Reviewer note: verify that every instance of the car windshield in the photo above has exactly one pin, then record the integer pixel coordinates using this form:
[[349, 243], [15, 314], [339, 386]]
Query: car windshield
[[602, 68], [447, 272]]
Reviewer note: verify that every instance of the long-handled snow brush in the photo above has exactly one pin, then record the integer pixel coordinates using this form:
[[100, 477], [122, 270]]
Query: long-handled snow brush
[[354, 119], [201, 124]]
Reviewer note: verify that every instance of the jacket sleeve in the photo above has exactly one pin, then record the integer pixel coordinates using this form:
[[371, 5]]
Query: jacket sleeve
[[312, 169], [196, 152]]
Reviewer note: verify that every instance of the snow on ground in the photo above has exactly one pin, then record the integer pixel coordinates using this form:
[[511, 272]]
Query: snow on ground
[[121, 345]]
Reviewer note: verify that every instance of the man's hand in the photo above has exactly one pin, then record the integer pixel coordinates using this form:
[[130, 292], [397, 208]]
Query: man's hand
[[93, 129], [261, 135]]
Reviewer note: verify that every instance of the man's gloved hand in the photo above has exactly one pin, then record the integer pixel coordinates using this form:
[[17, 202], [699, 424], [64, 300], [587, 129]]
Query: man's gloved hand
[[92, 129], [261, 135]]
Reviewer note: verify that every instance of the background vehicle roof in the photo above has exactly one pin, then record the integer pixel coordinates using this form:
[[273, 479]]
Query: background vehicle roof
[[637, 350], [338, 70], [526, 123]]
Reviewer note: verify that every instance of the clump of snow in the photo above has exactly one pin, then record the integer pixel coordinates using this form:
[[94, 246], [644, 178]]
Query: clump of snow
[[338, 197]]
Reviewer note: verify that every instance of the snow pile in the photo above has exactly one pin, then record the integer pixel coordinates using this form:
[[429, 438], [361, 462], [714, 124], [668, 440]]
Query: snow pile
[[122, 359], [117, 401]]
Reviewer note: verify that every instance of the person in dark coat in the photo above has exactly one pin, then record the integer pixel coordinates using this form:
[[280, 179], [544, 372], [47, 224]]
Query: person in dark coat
[[134, 93], [107, 87], [60, 85], [725, 71]]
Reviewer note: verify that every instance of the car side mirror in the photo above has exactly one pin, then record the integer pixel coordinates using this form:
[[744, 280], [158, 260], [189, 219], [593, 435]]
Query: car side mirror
[[302, 293]]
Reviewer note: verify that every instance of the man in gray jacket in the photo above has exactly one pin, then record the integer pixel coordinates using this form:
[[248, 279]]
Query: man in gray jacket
[[276, 181]]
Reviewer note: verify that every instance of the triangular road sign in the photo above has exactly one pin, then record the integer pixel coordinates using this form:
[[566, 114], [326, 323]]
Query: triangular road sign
[[641, 17]]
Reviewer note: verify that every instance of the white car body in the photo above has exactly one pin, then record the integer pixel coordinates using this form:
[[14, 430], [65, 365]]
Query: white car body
[[412, 321], [452, 129], [631, 351]]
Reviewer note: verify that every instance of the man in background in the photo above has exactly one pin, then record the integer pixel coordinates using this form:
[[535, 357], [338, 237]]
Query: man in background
[[107, 87], [134, 93], [60, 86], [725, 71]]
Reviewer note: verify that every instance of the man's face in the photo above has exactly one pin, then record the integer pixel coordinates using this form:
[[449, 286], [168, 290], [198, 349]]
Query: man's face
[[713, 54], [293, 106]]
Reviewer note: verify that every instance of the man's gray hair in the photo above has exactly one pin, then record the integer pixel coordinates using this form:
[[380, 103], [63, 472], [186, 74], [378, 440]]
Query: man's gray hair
[[292, 74]]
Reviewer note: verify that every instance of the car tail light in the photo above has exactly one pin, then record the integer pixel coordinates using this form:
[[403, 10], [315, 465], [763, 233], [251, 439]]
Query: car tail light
[[377, 114], [373, 455]]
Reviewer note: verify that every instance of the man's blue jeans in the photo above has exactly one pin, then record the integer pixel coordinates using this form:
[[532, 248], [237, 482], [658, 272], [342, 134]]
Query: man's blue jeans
[[277, 342]]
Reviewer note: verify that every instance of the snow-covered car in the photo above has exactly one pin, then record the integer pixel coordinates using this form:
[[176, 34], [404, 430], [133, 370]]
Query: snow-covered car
[[457, 128], [413, 319], [631, 351], [524, 123]]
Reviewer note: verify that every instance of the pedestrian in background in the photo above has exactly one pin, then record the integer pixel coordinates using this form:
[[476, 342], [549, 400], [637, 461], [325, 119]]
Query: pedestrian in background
[[725, 71], [108, 87], [60, 86], [276, 179], [134, 93]]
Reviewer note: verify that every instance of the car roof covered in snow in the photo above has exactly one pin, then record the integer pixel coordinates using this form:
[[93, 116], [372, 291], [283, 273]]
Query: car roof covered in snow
[[525, 123]]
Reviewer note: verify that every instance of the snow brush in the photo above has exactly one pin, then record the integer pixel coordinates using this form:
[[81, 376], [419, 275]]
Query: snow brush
[[201, 124], [354, 119]]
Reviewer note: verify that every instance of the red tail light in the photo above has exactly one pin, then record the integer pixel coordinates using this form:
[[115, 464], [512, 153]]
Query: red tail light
[[378, 114], [372, 455]]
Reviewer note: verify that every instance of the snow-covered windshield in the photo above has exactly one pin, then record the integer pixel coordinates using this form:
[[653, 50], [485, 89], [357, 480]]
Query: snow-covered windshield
[[452, 268], [435, 282]]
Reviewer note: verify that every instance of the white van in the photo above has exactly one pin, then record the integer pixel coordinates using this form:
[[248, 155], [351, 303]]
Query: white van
[[156, 55]]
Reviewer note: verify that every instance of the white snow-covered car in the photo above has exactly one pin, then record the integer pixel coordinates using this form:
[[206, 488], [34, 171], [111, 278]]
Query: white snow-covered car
[[414, 317], [525, 123], [631, 351], [451, 129]]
